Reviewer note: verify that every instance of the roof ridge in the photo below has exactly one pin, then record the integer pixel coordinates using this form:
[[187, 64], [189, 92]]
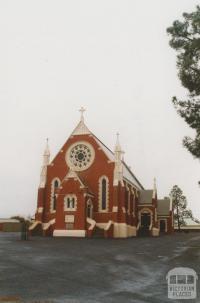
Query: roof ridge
[[122, 162]]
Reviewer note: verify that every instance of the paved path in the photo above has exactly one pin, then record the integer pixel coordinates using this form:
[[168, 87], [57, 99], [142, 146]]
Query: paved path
[[64, 270]]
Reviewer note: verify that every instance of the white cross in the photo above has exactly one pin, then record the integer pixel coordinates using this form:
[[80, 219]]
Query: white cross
[[82, 110]]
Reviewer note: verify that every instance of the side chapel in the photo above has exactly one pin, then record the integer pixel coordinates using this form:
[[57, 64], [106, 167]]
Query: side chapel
[[89, 191]]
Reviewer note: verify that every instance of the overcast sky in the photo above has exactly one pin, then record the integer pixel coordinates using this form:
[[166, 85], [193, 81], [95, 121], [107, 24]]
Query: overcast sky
[[111, 57]]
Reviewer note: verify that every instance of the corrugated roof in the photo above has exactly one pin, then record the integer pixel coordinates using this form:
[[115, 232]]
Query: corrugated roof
[[163, 206], [9, 221], [190, 221], [145, 196]]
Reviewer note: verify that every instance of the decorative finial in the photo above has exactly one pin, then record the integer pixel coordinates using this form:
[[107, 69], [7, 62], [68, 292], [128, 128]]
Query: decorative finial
[[117, 140], [82, 110], [154, 188], [47, 152]]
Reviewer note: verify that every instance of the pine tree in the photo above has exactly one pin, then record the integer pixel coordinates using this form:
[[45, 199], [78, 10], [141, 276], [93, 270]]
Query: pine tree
[[180, 206], [185, 39]]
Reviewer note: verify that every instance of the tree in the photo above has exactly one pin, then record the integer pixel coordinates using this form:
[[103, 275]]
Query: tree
[[185, 39], [180, 206]]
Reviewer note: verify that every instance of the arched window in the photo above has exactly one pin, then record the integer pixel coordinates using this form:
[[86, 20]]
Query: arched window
[[70, 202], [103, 193], [89, 211], [54, 185]]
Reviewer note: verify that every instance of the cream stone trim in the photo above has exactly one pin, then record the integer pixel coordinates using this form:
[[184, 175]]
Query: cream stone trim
[[69, 233], [40, 210], [130, 183], [70, 196], [132, 191], [70, 162], [123, 230], [45, 226], [145, 210], [115, 209], [100, 194], [123, 209], [35, 223], [73, 175], [155, 232], [53, 192], [110, 222], [91, 222], [69, 219], [101, 225]]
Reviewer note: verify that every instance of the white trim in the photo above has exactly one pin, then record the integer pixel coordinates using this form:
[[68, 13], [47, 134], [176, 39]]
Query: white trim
[[53, 192], [110, 222], [70, 196], [101, 225], [145, 210], [100, 194], [91, 222], [71, 164], [40, 210], [155, 232], [45, 226], [35, 223], [69, 233], [69, 219], [123, 230], [115, 209]]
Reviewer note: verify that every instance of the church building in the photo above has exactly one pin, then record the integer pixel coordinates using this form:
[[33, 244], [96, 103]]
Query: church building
[[87, 190]]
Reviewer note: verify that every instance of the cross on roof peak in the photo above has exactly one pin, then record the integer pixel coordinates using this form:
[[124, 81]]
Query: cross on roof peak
[[82, 110]]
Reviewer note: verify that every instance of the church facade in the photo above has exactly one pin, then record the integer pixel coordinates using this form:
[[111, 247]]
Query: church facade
[[89, 191]]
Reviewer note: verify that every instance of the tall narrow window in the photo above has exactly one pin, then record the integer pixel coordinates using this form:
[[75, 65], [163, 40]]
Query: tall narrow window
[[54, 185], [103, 193]]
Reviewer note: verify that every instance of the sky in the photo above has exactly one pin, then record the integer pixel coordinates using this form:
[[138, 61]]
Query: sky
[[113, 58]]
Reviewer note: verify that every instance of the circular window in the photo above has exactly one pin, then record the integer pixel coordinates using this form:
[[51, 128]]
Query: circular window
[[80, 156]]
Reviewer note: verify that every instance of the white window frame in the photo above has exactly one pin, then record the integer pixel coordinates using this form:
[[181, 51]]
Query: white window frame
[[53, 192], [70, 196], [100, 194]]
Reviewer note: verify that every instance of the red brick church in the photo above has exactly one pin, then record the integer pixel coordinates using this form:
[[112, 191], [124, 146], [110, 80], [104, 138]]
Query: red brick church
[[87, 190]]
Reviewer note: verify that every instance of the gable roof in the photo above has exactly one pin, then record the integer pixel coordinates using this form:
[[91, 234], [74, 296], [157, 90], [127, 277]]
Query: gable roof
[[145, 196], [163, 206], [74, 175], [127, 173], [81, 129]]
